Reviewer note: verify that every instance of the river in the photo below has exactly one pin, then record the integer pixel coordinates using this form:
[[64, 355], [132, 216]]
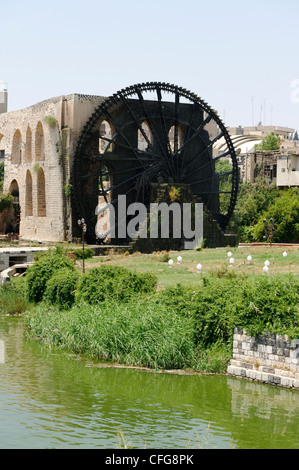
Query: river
[[50, 399]]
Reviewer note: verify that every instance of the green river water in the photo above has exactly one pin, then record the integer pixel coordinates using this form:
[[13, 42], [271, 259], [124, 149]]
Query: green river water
[[49, 399]]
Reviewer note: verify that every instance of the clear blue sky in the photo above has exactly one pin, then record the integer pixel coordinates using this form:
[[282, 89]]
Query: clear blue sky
[[224, 51]]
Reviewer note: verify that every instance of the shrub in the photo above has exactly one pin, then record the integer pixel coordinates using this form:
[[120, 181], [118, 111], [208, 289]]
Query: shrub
[[61, 287], [6, 200], [88, 253], [114, 282], [258, 305], [42, 270], [213, 307], [270, 304], [13, 297]]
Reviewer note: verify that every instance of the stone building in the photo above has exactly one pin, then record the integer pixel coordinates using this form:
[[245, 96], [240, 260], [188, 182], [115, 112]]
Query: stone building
[[280, 167], [38, 143]]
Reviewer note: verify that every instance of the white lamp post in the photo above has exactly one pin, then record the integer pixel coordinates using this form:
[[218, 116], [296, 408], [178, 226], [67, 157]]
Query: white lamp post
[[170, 263], [249, 259], [199, 266], [179, 258], [231, 262], [266, 269]]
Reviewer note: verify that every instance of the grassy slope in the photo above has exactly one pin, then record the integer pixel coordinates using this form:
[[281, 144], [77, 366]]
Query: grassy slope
[[210, 259]]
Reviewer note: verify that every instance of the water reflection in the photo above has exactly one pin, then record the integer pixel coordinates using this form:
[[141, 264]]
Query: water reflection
[[49, 399]]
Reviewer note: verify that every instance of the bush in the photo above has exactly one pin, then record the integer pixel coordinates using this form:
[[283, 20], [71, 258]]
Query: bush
[[88, 253], [258, 305], [6, 200], [114, 282], [61, 288], [13, 297], [285, 212], [213, 307], [270, 304], [42, 270]]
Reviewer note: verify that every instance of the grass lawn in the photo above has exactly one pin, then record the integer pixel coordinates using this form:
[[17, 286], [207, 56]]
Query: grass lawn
[[210, 259]]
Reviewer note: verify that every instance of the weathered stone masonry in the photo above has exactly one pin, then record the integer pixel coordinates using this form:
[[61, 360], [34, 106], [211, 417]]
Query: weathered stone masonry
[[39, 143], [272, 359]]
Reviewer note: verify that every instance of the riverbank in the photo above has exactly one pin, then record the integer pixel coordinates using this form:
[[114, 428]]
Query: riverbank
[[50, 398], [118, 315]]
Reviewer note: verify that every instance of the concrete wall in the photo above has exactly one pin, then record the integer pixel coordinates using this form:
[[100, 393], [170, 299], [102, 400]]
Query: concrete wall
[[272, 359], [288, 170], [11, 256]]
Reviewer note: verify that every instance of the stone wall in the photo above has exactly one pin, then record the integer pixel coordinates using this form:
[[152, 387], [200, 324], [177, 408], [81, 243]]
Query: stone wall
[[213, 236], [35, 164], [272, 359]]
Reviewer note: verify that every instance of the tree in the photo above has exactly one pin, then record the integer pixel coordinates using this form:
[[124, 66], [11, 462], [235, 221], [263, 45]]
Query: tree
[[295, 136], [270, 142], [285, 212]]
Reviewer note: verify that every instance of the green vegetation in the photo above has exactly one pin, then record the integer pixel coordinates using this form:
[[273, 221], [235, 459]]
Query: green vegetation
[[6, 200], [270, 142], [61, 288], [14, 297], [41, 272], [114, 313], [256, 202], [51, 120], [88, 253], [114, 282], [129, 333]]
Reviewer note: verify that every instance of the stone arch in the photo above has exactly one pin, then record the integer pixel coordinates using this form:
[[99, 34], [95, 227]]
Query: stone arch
[[14, 190], [106, 131], [28, 146], [15, 217], [28, 195], [16, 151], [142, 142], [39, 143], [41, 194]]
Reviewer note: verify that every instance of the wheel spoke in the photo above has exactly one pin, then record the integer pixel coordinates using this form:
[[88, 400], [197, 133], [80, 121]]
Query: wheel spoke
[[199, 155], [216, 175], [153, 129]]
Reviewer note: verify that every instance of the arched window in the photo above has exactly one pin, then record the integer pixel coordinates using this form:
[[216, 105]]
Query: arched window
[[14, 190], [106, 133], [28, 193], [28, 147], [175, 140], [39, 143], [41, 194], [145, 137], [16, 151], [14, 225]]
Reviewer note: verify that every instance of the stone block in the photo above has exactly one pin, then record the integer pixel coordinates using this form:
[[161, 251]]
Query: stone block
[[296, 384], [286, 382]]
